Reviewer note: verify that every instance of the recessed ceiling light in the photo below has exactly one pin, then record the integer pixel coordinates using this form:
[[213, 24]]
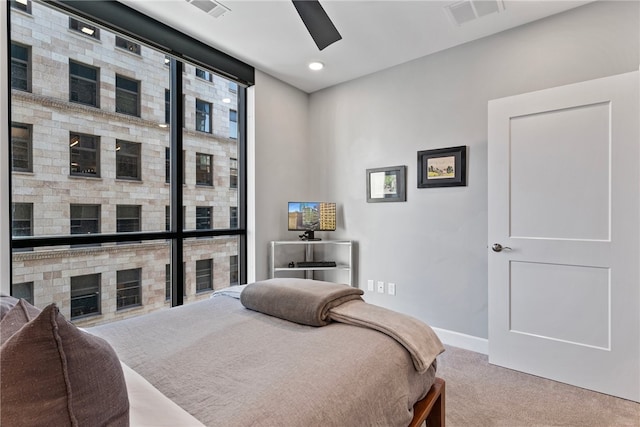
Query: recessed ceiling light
[[88, 30], [315, 66], [227, 100], [163, 125]]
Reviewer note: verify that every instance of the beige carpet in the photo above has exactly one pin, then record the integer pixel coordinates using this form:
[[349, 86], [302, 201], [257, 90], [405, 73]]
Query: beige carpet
[[479, 394]]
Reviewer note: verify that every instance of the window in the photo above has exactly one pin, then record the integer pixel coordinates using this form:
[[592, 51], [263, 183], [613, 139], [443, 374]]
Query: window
[[83, 84], [24, 291], [128, 288], [84, 152], [22, 219], [204, 279], [23, 5], [127, 160], [21, 142], [203, 74], [85, 219], [233, 124], [204, 171], [20, 67], [203, 116], [167, 282], [123, 43], [85, 295], [84, 28], [167, 106], [233, 270], [233, 217], [127, 96], [233, 173], [233, 87], [203, 218], [127, 218]]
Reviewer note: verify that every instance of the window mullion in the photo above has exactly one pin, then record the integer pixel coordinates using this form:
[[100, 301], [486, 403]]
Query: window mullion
[[176, 171]]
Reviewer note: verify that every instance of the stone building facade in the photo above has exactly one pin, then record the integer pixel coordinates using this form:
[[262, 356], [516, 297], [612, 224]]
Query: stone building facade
[[90, 140]]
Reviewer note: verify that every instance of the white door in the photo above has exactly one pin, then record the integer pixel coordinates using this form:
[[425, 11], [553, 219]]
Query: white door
[[564, 185]]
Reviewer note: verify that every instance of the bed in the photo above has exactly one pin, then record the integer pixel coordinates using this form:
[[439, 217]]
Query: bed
[[222, 364]]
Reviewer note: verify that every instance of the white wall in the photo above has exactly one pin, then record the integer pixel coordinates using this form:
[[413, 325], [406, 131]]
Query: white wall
[[434, 246]]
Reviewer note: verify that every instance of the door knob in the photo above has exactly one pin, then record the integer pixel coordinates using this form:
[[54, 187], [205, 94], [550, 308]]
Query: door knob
[[497, 247]]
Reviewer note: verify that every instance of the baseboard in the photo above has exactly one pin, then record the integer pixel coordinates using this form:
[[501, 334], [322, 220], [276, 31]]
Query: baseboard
[[467, 342]]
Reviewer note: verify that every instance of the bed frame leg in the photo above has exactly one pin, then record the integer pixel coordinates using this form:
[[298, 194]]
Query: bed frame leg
[[430, 411]]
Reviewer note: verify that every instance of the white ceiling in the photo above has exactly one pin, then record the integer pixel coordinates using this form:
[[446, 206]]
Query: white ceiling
[[269, 34]]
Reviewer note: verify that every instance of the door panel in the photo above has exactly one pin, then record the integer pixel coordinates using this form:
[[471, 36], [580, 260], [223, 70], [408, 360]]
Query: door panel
[[564, 299]]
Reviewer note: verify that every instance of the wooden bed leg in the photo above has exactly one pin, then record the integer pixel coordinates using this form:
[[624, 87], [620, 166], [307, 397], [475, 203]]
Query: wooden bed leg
[[431, 409]]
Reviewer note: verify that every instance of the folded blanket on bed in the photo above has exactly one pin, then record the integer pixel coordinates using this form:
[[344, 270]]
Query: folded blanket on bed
[[302, 301], [417, 337]]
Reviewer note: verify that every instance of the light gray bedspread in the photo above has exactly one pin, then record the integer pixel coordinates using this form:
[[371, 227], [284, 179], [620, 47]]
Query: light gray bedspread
[[230, 366]]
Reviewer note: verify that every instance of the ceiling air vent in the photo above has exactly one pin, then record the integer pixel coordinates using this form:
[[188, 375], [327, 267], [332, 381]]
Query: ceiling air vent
[[210, 7], [465, 11]]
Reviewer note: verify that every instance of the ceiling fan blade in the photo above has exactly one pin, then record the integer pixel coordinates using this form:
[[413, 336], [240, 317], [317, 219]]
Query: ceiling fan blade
[[322, 30]]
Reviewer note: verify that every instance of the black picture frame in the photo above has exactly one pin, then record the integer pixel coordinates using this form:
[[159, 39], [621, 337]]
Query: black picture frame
[[442, 167], [387, 184]]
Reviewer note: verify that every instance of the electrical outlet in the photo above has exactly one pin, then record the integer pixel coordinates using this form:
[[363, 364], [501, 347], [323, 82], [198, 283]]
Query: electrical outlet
[[370, 285], [381, 287], [391, 288]]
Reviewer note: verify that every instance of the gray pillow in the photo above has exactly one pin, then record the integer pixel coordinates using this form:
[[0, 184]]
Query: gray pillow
[[19, 315], [54, 374], [6, 304]]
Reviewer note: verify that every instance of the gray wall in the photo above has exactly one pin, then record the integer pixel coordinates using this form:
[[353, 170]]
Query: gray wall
[[434, 246]]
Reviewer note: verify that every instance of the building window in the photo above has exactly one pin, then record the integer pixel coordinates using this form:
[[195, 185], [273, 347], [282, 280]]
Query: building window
[[20, 67], [233, 217], [127, 160], [233, 87], [127, 218], [84, 28], [204, 75], [84, 154], [203, 217], [233, 124], [167, 106], [128, 288], [204, 170], [203, 116], [83, 84], [21, 142], [123, 43], [204, 278], [85, 295], [22, 219], [127, 96], [233, 270], [85, 219], [23, 5], [23, 291], [233, 173], [167, 282]]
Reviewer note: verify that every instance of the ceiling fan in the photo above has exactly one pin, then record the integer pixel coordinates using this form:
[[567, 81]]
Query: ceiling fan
[[322, 30]]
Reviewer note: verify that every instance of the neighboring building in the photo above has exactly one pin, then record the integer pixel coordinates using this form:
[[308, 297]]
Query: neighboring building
[[90, 147]]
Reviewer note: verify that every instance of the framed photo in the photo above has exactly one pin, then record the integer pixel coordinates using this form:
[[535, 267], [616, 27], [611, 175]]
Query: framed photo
[[444, 167], [386, 184]]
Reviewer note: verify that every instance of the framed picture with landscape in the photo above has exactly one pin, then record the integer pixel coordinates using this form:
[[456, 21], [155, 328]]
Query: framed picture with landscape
[[443, 167], [386, 184]]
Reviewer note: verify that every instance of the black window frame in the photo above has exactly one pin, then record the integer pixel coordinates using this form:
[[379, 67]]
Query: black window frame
[[91, 290], [80, 26], [122, 19], [21, 63], [79, 150], [124, 93], [202, 172], [128, 45], [78, 82], [124, 153], [128, 284], [204, 118], [27, 146]]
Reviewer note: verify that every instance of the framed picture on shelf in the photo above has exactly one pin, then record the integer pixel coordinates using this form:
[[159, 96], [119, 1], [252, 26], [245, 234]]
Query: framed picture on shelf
[[386, 184], [443, 167]]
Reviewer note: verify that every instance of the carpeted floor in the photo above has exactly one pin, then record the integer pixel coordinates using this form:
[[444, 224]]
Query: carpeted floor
[[480, 395]]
